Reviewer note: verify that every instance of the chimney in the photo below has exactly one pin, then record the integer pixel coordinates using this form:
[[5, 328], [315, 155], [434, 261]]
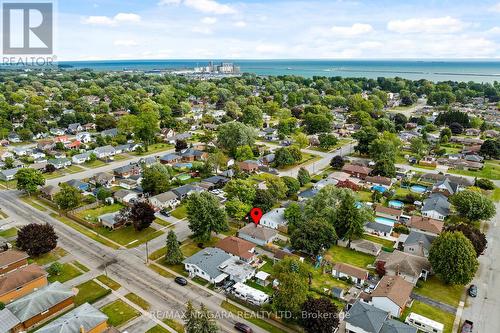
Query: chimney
[[82, 330]]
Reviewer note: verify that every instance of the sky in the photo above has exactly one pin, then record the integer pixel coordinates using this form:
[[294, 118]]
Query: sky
[[276, 29]]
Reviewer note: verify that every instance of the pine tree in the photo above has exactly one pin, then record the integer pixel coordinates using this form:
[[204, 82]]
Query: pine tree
[[206, 321], [191, 322], [173, 255]]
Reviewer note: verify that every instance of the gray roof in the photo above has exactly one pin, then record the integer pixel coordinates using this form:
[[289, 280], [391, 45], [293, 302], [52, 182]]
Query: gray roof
[[449, 185], [165, 196], [416, 237], [108, 219], [85, 316], [379, 227], [104, 149], [185, 189], [437, 202], [82, 155], [208, 260], [41, 300], [258, 232], [10, 172], [110, 132], [366, 317], [170, 157], [7, 321], [395, 326]]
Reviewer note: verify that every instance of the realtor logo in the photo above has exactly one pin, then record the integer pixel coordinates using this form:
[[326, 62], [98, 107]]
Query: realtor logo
[[27, 28]]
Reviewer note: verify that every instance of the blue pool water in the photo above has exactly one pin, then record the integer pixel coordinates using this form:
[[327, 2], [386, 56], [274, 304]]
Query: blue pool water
[[385, 221], [396, 204], [379, 188], [418, 188]]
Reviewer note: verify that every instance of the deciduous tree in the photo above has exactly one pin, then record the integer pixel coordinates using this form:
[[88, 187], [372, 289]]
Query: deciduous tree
[[473, 205], [36, 239], [205, 215], [313, 236], [319, 315], [29, 179]]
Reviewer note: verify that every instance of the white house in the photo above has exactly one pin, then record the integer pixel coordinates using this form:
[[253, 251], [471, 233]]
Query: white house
[[125, 196], [164, 200], [274, 219], [80, 158], [104, 152], [436, 207], [84, 137]]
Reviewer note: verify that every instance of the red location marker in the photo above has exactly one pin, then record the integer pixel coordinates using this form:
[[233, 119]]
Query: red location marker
[[256, 214]]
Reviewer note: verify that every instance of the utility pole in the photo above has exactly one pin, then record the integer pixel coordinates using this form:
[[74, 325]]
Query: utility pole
[[147, 253]]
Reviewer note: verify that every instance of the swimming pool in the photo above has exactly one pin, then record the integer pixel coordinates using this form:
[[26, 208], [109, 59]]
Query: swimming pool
[[418, 188], [396, 204], [385, 221]]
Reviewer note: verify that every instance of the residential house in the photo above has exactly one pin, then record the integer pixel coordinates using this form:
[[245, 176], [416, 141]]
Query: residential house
[[217, 181], [128, 183], [436, 206], [84, 137], [426, 225], [388, 213], [110, 221], [379, 180], [165, 200], [83, 319], [80, 158], [249, 166], [268, 159], [446, 187], [357, 171], [436, 177], [122, 148], [325, 182], [238, 247], [41, 305], [191, 155], [366, 318], [167, 133], [270, 134], [170, 159], [355, 274], [274, 219], [75, 144], [472, 131], [178, 137], [14, 138], [11, 260], [392, 294], [103, 178], [56, 131], [417, 243], [127, 170], [75, 128], [146, 162], [7, 321], [60, 163], [112, 132], [408, 266], [21, 282], [104, 152], [22, 151], [61, 138], [185, 190], [7, 175], [125, 196], [257, 234], [4, 154], [366, 246], [89, 127], [78, 184], [50, 191], [46, 145]]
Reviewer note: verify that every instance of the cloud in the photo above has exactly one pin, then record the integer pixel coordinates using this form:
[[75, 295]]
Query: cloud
[[112, 21], [209, 20], [202, 30], [444, 24], [269, 48], [240, 24], [125, 42], [204, 6], [495, 8], [354, 30]]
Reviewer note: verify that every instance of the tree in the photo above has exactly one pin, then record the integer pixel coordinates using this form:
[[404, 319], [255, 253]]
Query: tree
[[490, 149], [263, 200], [337, 162], [199, 321], [313, 237], [365, 137], [476, 237], [207, 321], [68, 197], [28, 180], [301, 140], [319, 315], [276, 186], [36, 239], [205, 215], [286, 156], [453, 258], [141, 215], [293, 288], [326, 141], [103, 193], [156, 179], [473, 205], [234, 134], [9, 163], [55, 269], [173, 254], [456, 128], [485, 184], [240, 189], [243, 153], [292, 185], [104, 122], [237, 209], [252, 115], [180, 145], [352, 219], [191, 322], [303, 176], [418, 147]]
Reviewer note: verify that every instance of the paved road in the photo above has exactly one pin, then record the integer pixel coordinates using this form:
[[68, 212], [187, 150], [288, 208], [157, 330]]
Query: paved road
[[126, 266]]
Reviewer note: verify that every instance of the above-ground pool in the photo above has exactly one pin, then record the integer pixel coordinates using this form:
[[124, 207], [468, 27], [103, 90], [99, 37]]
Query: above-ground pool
[[379, 188], [418, 188], [396, 204], [385, 221]]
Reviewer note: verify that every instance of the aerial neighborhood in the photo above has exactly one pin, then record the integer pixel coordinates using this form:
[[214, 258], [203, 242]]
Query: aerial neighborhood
[[123, 194]]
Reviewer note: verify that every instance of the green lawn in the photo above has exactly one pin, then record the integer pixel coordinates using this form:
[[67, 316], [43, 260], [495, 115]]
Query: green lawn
[[491, 170], [495, 196], [161, 271], [364, 196], [55, 174], [384, 242], [155, 148], [256, 321], [128, 236], [108, 282], [320, 281], [157, 254], [190, 247], [138, 301], [11, 184], [90, 292], [306, 159], [157, 329], [120, 157], [177, 326], [94, 164], [119, 313], [268, 266], [162, 222], [348, 256], [436, 289], [93, 214], [81, 266], [180, 212], [68, 272], [84, 230], [11, 232], [30, 201], [432, 313], [74, 169], [49, 257]]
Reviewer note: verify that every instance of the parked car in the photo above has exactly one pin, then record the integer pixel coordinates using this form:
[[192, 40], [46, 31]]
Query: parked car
[[473, 290], [165, 212], [180, 280], [467, 326], [243, 327]]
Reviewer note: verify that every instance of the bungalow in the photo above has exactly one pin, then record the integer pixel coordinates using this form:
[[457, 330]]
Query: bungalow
[[41, 305], [14, 138], [378, 228], [147, 161], [357, 275], [257, 234], [110, 221], [274, 219], [426, 225], [80, 158], [21, 282], [472, 131], [84, 137], [22, 151], [61, 138], [205, 264], [6, 154], [11, 260], [59, 163], [112, 132], [56, 131], [357, 171], [436, 207], [270, 134], [446, 187], [165, 200], [127, 170], [392, 294], [268, 159], [89, 127], [366, 246], [190, 155], [75, 128], [103, 178], [7, 175], [104, 152], [388, 213], [170, 159], [46, 145], [324, 182], [78, 184], [73, 144], [128, 183], [50, 191], [249, 166], [167, 133], [83, 319], [122, 149], [410, 267], [379, 180], [238, 247], [418, 243], [179, 137], [8, 320], [217, 181], [185, 190], [125, 196]]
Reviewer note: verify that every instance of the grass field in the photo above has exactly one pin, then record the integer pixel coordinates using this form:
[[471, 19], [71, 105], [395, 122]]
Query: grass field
[[137, 300], [433, 313], [180, 212], [436, 289], [177, 326], [495, 196], [256, 321], [68, 272], [74, 169], [128, 236], [306, 159], [94, 164], [108, 282], [491, 170], [7, 233], [161, 271], [90, 292], [49, 257], [119, 312], [348, 256], [31, 201], [384, 242], [82, 267], [93, 214], [155, 148]]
